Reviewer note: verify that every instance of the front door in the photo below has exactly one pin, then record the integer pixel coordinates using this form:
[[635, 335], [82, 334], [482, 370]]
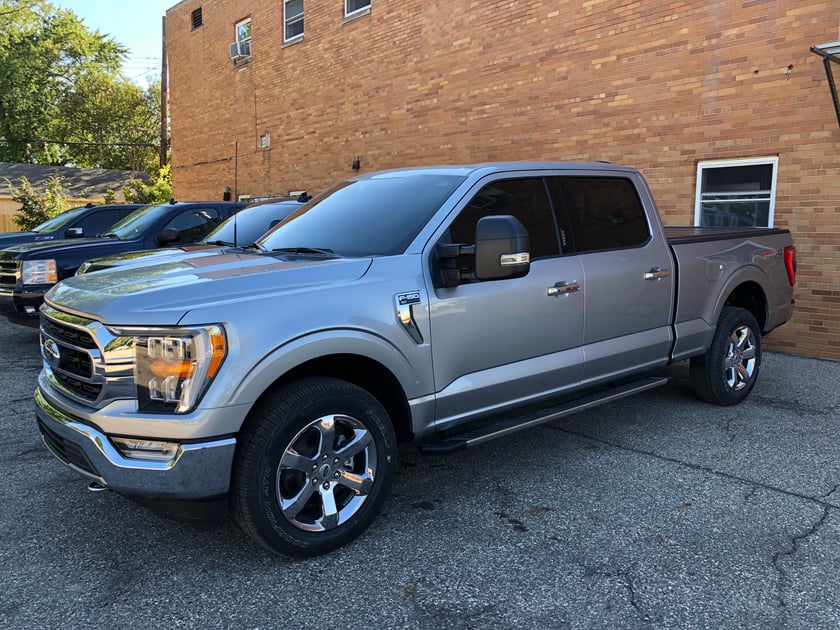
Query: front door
[[514, 339]]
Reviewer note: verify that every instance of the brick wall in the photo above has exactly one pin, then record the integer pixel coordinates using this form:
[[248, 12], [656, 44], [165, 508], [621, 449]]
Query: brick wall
[[656, 85]]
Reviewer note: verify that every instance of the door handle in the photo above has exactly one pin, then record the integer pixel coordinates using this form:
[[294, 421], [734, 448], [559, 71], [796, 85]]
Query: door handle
[[563, 288], [657, 273]]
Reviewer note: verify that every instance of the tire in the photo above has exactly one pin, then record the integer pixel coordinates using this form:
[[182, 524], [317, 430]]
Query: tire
[[726, 374], [314, 465]]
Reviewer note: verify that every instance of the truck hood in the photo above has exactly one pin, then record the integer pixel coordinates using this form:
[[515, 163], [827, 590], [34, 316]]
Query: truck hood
[[47, 249], [162, 294], [7, 239], [146, 257]]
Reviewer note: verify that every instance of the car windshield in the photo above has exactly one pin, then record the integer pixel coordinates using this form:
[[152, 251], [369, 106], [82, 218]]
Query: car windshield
[[136, 223], [58, 222], [247, 225], [379, 216]]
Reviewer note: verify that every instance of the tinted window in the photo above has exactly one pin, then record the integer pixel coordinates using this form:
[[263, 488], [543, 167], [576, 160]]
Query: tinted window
[[604, 212], [369, 217], [194, 223], [59, 221], [99, 222], [137, 222], [246, 226], [525, 199]]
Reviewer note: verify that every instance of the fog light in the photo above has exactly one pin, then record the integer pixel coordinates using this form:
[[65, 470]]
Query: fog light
[[147, 449]]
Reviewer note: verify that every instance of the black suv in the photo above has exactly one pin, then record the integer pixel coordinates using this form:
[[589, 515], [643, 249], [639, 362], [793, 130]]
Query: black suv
[[87, 220], [29, 270]]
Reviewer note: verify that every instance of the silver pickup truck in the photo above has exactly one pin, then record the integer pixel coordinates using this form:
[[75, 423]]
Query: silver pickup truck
[[441, 306]]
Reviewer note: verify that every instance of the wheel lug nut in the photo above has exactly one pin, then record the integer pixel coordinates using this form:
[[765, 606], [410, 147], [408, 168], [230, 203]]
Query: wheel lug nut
[[327, 486], [324, 457], [336, 475], [335, 461], [314, 482]]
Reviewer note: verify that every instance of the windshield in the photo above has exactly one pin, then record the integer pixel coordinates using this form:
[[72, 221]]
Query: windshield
[[369, 217], [58, 222], [247, 225], [136, 223]]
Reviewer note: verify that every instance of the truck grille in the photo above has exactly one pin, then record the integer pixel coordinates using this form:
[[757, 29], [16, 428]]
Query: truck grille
[[84, 361], [8, 277], [62, 332]]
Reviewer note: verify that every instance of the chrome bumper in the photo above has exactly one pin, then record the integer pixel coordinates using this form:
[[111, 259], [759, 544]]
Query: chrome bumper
[[197, 471]]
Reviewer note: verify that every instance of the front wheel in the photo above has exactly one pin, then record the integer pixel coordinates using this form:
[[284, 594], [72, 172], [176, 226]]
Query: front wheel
[[726, 374], [314, 466]]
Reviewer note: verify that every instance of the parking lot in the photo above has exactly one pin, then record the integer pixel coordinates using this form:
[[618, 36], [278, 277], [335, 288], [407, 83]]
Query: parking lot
[[657, 511]]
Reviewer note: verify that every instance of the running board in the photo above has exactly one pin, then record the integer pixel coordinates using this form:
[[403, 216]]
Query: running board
[[507, 426]]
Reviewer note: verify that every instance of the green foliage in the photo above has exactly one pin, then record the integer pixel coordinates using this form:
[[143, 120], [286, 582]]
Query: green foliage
[[157, 190], [109, 197], [36, 208], [61, 81]]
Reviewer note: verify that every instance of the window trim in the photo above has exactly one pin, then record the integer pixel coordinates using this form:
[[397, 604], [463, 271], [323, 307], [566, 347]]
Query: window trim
[[357, 12], [287, 22], [736, 162], [247, 40]]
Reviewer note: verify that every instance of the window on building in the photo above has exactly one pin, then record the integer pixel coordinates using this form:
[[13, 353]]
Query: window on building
[[241, 48], [736, 193], [355, 6], [293, 19], [196, 18]]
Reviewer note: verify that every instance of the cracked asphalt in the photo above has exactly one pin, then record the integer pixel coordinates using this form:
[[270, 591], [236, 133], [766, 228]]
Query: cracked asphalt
[[654, 512]]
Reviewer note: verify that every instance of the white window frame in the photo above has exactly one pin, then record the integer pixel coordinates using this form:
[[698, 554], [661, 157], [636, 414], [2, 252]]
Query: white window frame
[[241, 40], [355, 12], [288, 21], [756, 161]]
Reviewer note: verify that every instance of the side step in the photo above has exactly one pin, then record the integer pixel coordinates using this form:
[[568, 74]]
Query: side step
[[450, 443]]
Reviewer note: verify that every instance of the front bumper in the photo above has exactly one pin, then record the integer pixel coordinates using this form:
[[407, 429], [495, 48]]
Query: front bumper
[[198, 470], [21, 307]]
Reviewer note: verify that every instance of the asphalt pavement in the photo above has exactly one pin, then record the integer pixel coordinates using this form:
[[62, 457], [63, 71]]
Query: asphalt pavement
[[653, 512]]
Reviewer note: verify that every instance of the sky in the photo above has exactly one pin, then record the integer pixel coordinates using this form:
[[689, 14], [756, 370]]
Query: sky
[[136, 24]]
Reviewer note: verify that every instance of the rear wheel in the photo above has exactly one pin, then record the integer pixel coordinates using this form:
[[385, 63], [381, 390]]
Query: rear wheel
[[315, 464], [726, 374]]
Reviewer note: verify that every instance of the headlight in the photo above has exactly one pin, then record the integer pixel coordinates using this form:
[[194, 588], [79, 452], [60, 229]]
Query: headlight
[[38, 272], [173, 368]]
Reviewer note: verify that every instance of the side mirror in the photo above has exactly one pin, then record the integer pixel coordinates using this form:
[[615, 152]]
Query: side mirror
[[501, 248], [74, 232], [167, 235]]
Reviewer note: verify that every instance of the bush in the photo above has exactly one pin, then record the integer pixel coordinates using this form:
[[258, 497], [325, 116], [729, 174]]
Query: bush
[[157, 190], [34, 207]]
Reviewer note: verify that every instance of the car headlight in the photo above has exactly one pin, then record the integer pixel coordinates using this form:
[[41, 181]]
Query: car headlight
[[174, 367], [38, 272]]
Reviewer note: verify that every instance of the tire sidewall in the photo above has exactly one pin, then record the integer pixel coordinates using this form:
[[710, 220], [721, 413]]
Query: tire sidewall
[[300, 410], [731, 319]]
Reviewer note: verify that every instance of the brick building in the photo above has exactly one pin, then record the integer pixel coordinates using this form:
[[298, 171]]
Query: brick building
[[722, 105]]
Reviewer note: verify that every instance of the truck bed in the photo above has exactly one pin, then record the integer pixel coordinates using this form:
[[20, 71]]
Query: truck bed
[[678, 235]]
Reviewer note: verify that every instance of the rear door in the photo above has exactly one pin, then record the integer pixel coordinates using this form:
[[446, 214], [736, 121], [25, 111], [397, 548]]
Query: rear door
[[628, 275], [499, 341]]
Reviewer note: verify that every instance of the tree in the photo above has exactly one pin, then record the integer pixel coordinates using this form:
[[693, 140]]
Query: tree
[[36, 208], [61, 82], [157, 189], [114, 122]]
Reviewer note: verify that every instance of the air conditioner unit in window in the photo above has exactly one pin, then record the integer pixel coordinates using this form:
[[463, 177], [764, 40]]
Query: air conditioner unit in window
[[240, 49]]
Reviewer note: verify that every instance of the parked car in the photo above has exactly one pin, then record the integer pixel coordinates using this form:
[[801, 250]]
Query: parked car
[[445, 306], [239, 230], [88, 220], [27, 271]]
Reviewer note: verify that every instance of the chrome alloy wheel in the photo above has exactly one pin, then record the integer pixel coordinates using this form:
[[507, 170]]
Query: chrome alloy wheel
[[740, 361], [326, 473]]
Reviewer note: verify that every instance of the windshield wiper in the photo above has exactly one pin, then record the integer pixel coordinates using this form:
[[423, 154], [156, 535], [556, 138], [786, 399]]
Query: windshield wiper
[[107, 235], [305, 251], [225, 243]]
